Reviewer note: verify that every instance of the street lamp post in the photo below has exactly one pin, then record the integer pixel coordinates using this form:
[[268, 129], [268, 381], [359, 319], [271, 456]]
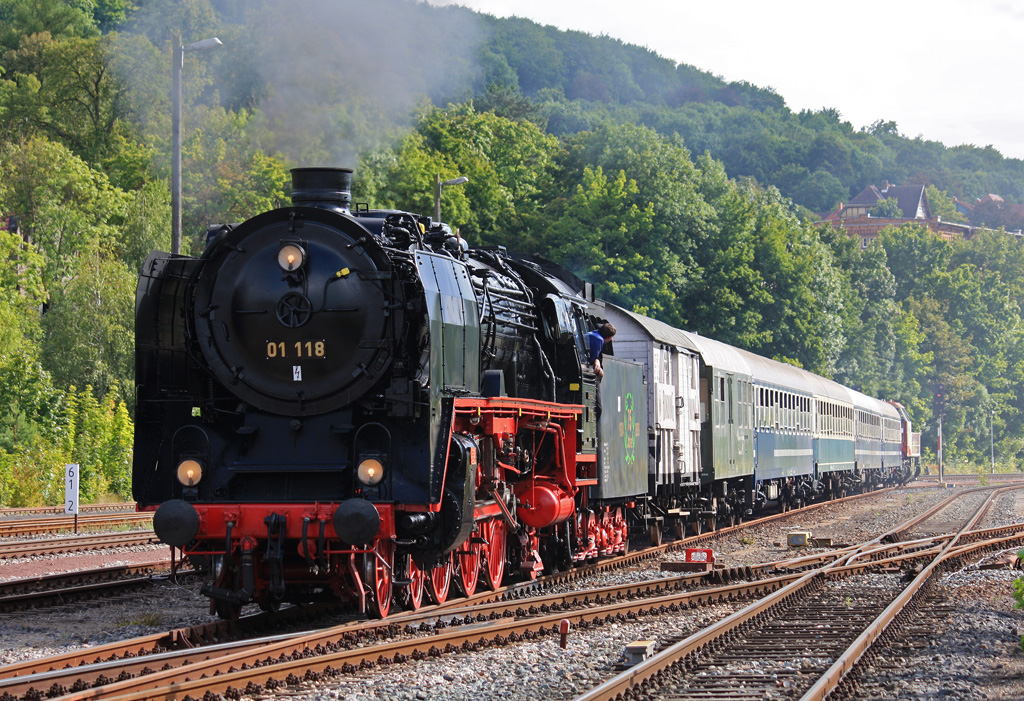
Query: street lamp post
[[176, 66], [437, 192]]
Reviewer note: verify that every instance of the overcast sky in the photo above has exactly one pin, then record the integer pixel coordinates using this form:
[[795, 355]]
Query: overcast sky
[[945, 70]]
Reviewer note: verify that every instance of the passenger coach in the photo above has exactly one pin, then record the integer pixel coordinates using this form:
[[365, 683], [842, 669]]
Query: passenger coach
[[731, 430]]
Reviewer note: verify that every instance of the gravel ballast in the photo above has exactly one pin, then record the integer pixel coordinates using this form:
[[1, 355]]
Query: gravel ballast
[[974, 653]]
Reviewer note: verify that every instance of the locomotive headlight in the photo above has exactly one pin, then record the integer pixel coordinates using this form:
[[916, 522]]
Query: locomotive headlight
[[370, 471], [190, 472], [291, 257]]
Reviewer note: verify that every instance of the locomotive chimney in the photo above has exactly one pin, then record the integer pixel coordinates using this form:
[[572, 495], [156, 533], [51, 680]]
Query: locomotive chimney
[[327, 188]]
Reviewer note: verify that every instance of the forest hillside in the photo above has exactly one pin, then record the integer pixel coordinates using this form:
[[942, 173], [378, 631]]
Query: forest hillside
[[678, 194]]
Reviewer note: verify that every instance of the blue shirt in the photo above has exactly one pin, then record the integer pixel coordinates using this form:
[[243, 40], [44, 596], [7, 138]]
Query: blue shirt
[[596, 342]]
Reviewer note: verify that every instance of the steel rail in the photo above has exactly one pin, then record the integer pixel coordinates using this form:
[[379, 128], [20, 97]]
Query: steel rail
[[69, 586], [32, 526], [80, 543], [660, 664], [282, 662], [208, 660], [90, 508], [834, 676], [528, 589]]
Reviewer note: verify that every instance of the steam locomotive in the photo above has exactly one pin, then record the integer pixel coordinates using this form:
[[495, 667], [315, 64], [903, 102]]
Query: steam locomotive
[[344, 403]]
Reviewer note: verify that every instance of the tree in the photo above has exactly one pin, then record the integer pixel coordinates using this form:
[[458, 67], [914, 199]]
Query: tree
[[599, 236], [913, 253], [889, 208], [868, 360], [25, 18], [788, 294], [31, 404], [99, 439], [89, 328], [942, 205], [667, 180], [507, 162], [65, 91], [63, 204], [146, 224], [820, 191]]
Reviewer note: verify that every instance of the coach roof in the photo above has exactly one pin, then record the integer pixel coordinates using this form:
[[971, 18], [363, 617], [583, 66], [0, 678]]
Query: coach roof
[[724, 357]]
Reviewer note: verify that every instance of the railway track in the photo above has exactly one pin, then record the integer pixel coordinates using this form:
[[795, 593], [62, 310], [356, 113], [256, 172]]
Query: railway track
[[55, 589], [471, 623], [806, 637], [973, 478], [14, 528], [531, 618], [19, 512], [260, 665], [75, 544]]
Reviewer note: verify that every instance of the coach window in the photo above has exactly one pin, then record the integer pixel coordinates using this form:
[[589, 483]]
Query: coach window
[[704, 399], [723, 420]]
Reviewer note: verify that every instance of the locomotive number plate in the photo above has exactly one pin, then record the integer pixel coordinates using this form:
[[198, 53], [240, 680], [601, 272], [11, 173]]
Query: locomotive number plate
[[297, 349]]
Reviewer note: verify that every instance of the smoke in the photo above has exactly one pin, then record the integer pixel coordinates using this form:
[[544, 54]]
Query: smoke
[[344, 76]]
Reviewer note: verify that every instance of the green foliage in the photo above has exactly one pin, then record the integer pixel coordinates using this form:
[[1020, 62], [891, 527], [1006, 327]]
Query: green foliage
[[89, 328], [599, 234], [507, 163], [24, 18], [32, 406], [63, 89], [36, 475], [64, 205], [889, 208], [96, 434], [942, 205], [666, 183], [678, 194]]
